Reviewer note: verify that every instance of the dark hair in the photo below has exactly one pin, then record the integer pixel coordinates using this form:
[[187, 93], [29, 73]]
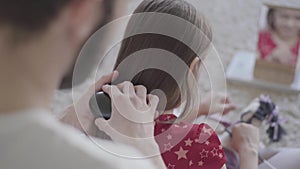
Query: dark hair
[[154, 79], [35, 15], [27, 17], [270, 18], [30, 15]]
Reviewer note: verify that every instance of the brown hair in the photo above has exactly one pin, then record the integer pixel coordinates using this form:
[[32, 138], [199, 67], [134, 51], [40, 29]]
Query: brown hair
[[154, 79], [270, 18]]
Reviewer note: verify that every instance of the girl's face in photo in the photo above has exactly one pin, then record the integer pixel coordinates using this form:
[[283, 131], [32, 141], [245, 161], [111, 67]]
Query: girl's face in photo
[[287, 22]]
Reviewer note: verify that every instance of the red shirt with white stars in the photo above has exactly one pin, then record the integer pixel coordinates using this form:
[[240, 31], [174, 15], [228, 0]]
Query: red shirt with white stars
[[266, 45], [188, 146]]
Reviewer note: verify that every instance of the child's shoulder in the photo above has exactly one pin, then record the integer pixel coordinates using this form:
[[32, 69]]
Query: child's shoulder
[[188, 145], [170, 123], [265, 33], [167, 124]]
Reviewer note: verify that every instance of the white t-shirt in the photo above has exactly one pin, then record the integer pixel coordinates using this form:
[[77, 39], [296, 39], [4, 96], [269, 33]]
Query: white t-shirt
[[36, 140]]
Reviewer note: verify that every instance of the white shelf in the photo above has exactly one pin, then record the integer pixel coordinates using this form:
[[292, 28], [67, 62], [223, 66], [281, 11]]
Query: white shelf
[[241, 69]]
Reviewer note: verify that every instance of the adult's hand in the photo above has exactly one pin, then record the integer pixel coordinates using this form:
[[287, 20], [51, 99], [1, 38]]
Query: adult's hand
[[132, 119], [79, 114], [133, 113]]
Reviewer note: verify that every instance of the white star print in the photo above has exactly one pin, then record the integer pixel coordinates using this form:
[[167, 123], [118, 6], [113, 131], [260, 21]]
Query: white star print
[[207, 142], [188, 142], [163, 130], [214, 152], [220, 147], [207, 131], [171, 166], [176, 125], [220, 155], [181, 153], [191, 163], [204, 154], [199, 140], [200, 163], [168, 147], [169, 137]]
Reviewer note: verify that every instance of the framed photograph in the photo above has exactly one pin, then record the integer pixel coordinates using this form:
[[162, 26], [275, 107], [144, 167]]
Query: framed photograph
[[278, 44]]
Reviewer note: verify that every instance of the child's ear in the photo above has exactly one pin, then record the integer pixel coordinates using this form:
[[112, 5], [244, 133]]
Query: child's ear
[[194, 63]]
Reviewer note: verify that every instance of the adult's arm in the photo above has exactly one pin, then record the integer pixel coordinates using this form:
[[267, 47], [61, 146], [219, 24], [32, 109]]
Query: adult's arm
[[134, 102], [79, 114]]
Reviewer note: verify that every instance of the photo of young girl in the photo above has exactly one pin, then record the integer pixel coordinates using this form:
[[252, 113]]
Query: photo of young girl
[[279, 40]]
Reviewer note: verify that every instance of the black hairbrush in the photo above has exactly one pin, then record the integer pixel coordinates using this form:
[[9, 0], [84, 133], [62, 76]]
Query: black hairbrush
[[100, 105]]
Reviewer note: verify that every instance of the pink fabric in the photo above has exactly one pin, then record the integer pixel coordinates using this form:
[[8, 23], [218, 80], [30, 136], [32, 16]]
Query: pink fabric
[[188, 146]]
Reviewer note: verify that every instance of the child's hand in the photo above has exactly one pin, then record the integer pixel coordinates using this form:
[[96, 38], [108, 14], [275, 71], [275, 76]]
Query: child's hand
[[245, 141], [212, 103], [245, 136], [282, 54]]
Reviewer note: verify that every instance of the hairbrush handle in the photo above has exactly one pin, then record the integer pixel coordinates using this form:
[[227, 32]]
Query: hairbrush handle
[[100, 105]]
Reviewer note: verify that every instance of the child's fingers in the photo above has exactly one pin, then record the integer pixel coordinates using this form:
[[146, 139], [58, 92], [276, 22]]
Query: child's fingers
[[224, 98], [227, 100], [228, 108]]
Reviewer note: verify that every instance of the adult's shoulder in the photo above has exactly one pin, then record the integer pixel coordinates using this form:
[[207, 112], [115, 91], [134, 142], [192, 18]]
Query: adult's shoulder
[[43, 142]]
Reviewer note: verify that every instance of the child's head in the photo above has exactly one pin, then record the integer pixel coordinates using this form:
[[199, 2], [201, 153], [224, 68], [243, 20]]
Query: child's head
[[284, 21], [155, 79]]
